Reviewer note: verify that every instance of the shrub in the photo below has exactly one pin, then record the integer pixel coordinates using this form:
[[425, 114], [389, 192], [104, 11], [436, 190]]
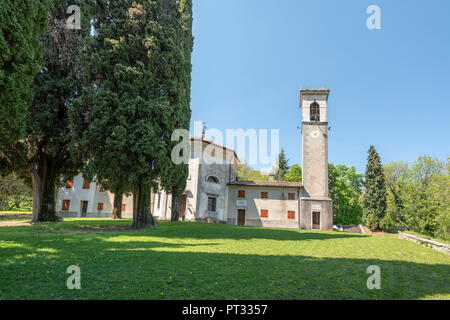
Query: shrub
[[387, 223], [372, 222]]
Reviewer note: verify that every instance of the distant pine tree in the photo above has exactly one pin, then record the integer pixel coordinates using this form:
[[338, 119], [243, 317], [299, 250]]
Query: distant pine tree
[[374, 197]]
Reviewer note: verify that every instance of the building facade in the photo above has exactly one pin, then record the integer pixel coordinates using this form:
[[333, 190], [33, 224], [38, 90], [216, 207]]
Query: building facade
[[213, 192]]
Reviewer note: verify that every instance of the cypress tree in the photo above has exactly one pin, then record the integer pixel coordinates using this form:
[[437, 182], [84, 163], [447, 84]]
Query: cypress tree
[[20, 58], [180, 24], [134, 96], [374, 197], [282, 167]]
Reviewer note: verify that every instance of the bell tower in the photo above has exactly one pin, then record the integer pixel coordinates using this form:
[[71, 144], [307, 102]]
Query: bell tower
[[316, 209]]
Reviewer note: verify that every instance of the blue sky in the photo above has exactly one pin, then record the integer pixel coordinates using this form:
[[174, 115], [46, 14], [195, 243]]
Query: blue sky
[[389, 87]]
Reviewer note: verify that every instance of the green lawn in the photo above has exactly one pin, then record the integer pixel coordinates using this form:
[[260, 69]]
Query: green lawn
[[15, 215], [210, 261]]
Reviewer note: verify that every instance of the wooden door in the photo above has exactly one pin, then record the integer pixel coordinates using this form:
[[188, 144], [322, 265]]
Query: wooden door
[[241, 217], [84, 205], [316, 220]]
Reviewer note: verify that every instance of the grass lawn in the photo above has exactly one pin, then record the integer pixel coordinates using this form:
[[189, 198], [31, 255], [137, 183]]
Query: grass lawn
[[15, 215], [210, 261]]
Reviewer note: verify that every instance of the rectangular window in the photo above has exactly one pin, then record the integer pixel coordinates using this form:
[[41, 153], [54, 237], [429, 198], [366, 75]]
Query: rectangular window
[[241, 194], [291, 214], [212, 204], [100, 206], [264, 195], [264, 213], [69, 184], [291, 196], [123, 207], [86, 184], [65, 205]]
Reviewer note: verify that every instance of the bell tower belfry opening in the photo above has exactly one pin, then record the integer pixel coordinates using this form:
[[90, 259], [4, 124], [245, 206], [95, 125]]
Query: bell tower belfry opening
[[315, 205]]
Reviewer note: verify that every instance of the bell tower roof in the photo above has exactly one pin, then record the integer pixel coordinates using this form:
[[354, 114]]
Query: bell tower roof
[[314, 92]]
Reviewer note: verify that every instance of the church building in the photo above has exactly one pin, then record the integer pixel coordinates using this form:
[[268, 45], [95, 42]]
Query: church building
[[213, 192]]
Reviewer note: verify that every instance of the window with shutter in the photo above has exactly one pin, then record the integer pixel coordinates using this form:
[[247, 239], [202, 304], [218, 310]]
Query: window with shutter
[[291, 196], [69, 184], [241, 194], [65, 205], [264, 213], [291, 214], [264, 195], [86, 184], [123, 207], [100, 206]]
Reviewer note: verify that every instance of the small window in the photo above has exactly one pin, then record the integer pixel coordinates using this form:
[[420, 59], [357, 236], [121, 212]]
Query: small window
[[241, 194], [123, 207], [314, 111], [213, 179], [69, 184], [291, 214], [86, 184], [65, 205], [291, 196], [264, 213], [264, 195], [100, 206], [212, 204], [102, 190]]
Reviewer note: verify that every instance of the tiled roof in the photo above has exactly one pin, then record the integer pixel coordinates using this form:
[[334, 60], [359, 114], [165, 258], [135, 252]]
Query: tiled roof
[[276, 184], [209, 141]]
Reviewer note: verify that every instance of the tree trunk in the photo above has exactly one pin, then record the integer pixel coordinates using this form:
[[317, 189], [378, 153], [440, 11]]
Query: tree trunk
[[175, 215], [142, 216], [117, 209], [38, 175], [48, 208]]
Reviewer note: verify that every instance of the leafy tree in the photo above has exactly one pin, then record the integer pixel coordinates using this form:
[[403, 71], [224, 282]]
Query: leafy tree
[[247, 173], [374, 197], [20, 58], [418, 195], [15, 194], [45, 153], [282, 166], [426, 198], [345, 190], [294, 174], [396, 175], [137, 80]]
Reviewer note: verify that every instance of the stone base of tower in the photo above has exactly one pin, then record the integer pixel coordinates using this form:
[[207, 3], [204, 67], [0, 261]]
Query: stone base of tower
[[316, 213]]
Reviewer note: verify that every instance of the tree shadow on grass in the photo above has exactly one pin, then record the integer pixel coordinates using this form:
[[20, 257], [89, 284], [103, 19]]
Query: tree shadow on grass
[[199, 230]]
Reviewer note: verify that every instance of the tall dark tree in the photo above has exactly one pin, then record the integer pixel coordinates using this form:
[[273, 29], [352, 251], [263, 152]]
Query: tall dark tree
[[134, 95], [180, 24], [20, 59], [282, 166], [374, 197], [45, 153]]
